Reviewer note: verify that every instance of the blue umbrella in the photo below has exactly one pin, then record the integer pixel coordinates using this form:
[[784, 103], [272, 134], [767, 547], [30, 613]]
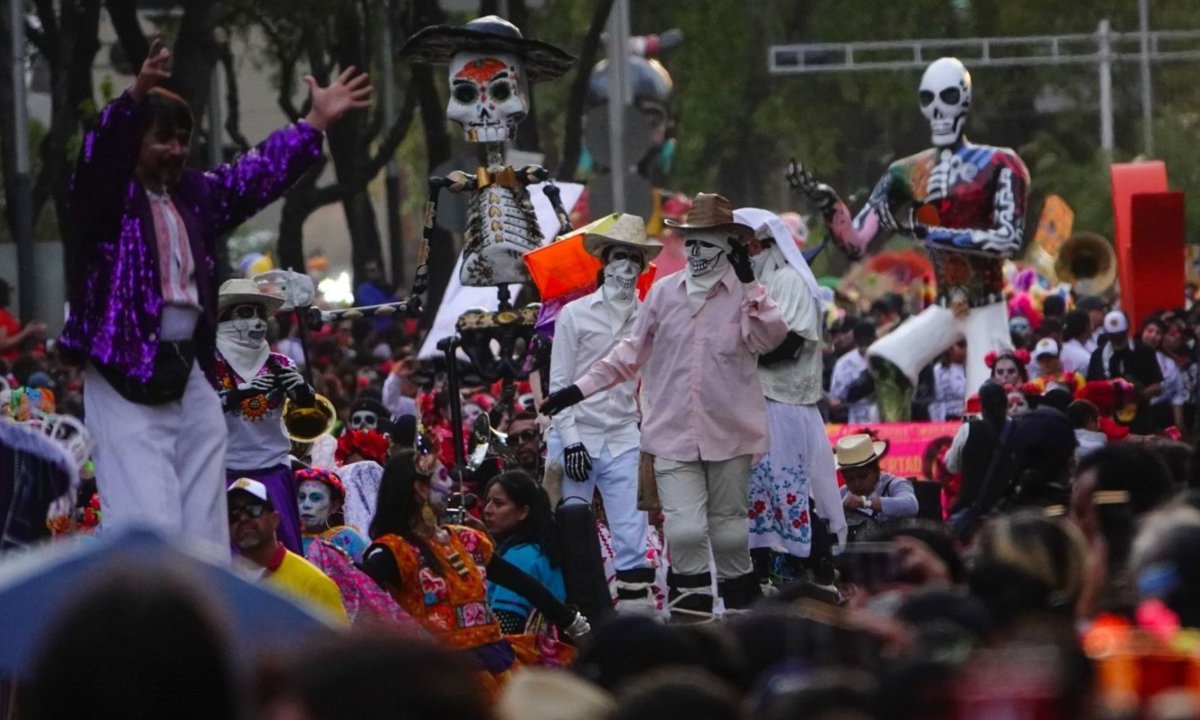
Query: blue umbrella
[[36, 585]]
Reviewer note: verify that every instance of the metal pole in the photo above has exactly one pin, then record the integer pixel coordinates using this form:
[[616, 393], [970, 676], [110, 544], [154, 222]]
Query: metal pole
[[1147, 98], [1104, 48], [620, 96], [27, 274], [216, 121], [392, 171]]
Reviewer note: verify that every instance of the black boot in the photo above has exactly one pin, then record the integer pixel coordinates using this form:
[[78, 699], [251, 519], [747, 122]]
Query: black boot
[[635, 591], [740, 593], [690, 593]]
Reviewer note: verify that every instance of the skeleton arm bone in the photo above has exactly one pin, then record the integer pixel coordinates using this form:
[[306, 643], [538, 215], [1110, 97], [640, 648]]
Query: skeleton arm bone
[[1008, 222]]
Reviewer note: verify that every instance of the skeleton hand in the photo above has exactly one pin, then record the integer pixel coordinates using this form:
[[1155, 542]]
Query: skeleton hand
[[821, 194], [260, 384], [577, 464], [578, 627], [295, 385]]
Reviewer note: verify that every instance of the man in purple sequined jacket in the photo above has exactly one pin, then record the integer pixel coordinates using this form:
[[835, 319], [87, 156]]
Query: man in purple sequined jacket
[[143, 295]]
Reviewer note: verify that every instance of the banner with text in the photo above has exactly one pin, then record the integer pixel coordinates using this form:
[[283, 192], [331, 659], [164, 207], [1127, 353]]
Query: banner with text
[[906, 441]]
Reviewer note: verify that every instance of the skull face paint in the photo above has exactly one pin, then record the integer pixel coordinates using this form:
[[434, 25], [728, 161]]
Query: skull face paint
[[945, 96], [705, 252], [488, 96], [316, 505], [245, 324], [364, 420], [621, 270]]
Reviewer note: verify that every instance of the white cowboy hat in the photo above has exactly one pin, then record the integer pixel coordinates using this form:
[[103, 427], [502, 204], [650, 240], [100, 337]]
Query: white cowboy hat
[[241, 290], [854, 451], [627, 230]]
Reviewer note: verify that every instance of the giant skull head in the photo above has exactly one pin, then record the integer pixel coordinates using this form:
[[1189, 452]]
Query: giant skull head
[[488, 95], [946, 99]]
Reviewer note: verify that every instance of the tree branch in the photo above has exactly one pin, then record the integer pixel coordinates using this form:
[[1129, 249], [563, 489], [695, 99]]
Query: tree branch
[[573, 131], [123, 15], [232, 104]]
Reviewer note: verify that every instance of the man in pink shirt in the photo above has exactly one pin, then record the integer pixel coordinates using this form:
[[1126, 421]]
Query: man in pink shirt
[[694, 347]]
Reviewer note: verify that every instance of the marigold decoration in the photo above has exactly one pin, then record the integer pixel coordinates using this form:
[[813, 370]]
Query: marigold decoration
[[255, 407], [370, 444]]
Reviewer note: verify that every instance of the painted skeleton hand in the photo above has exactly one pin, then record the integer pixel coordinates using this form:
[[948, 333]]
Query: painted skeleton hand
[[577, 463], [231, 399], [294, 384], [578, 627], [823, 196]]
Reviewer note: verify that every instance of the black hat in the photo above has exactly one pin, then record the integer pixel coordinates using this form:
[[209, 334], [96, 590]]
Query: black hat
[[436, 44], [864, 333]]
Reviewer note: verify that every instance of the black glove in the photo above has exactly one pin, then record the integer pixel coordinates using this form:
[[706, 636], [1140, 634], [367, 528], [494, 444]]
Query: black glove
[[577, 464], [561, 400], [739, 258], [862, 387], [787, 350]]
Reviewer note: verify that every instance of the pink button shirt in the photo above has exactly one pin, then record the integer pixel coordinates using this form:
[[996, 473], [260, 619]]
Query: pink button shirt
[[701, 398]]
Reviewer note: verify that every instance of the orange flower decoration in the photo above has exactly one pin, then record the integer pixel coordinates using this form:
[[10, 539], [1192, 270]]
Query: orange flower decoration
[[254, 406]]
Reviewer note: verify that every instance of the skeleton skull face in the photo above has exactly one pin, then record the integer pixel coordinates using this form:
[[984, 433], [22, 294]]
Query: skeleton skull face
[[705, 250], [621, 270], [245, 324], [364, 420], [488, 95], [946, 99], [316, 505]]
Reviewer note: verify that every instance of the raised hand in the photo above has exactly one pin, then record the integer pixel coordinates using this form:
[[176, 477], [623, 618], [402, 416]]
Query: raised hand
[[348, 92], [739, 258], [155, 70], [802, 180]]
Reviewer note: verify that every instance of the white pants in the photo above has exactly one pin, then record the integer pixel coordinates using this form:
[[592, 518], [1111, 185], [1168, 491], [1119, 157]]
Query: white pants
[[160, 465], [705, 505], [922, 338], [617, 480]]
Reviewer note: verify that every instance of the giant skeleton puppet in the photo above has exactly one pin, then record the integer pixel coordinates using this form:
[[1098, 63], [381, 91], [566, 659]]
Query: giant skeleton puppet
[[253, 384], [967, 204]]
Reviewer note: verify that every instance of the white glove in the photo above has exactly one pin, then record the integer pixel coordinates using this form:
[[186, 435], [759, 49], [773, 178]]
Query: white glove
[[262, 384], [578, 627]]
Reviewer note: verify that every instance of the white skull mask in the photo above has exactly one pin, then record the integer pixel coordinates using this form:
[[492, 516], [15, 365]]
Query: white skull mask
[[621, 270], [246, 325], [946, 99], [364, 420], [705, 252], [488, 95], [316, 505]]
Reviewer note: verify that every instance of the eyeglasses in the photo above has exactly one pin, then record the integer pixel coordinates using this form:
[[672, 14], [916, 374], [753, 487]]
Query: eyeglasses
[[251, 512], [526, 435]]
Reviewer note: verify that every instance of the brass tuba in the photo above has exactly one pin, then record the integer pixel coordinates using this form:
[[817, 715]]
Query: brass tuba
[[1088, 263], [306, 424]]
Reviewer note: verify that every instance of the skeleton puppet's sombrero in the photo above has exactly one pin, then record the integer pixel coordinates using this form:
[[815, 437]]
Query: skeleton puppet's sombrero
[[436, 44]]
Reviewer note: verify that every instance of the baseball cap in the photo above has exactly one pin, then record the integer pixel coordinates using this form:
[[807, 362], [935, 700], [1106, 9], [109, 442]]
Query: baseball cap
[[1115, 322], [251, 487], [1045, 346]]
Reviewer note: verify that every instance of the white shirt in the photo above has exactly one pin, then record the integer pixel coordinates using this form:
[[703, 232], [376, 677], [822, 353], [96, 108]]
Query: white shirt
[[394, 400], [845, 371], [798, 381], [583, 334], [1174, 390], [949, 392], [1075, 357]]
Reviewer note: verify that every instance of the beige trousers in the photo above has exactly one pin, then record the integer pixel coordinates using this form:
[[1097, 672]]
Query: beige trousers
[[705, 505]]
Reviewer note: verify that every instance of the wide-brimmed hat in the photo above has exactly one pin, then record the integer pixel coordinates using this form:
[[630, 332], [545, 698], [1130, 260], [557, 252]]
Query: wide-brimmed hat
[[436, 44], [241, 290], [854, 451], [627, 231], [711, 212]]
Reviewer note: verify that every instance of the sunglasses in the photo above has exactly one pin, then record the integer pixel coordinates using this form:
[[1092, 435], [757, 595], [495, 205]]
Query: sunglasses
[[251, 512], [526, 435]]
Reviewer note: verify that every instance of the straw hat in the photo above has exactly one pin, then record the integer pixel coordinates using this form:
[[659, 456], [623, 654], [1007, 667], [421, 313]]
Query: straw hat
[[543, 694], [437, 44], [857, 450], [241, 290], [711, 212], [627, 231]]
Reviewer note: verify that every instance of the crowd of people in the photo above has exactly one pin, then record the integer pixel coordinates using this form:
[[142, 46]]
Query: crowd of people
[[654, 523]]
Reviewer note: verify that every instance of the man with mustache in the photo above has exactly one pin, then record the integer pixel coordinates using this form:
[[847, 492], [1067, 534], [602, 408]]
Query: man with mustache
[[143, 292]]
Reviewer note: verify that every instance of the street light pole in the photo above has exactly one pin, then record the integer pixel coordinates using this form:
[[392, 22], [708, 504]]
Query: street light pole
[[22, 184], [620, 96], [1147, 97]]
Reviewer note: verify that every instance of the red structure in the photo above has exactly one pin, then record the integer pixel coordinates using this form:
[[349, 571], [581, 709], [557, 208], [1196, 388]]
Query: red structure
[[1148, 224]]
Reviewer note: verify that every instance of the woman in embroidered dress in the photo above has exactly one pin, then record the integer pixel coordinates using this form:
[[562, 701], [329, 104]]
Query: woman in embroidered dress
[[438, 573]]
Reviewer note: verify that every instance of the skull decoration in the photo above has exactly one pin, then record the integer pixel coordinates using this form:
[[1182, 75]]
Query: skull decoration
[[316, 505], [621, 270], [369, 414], [946, 99], [245, 324], [364, 420], [705, 250], [488, 95]]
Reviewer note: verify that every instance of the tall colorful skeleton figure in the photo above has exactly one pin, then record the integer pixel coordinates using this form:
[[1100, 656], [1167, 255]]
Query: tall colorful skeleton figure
[[967, 204], [491, 66]]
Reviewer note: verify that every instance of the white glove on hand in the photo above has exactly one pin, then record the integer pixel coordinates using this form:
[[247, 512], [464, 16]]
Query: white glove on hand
[[578, 628]]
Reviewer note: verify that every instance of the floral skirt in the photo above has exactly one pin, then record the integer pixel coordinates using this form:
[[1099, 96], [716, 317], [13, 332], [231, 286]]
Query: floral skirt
[[780, 482]]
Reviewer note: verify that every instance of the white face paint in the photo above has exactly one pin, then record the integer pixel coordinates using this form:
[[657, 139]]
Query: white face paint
[[316, 505], [488, 95], [364, 420], [945, 96], [621, 273], [246, 325], [470, 411], [705, 252]]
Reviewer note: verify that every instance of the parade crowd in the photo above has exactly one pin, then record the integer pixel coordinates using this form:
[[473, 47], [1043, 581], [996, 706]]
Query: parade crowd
[[654, 522]]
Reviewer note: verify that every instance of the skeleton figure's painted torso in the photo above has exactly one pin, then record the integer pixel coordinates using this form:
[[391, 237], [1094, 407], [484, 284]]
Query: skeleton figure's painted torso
[[501, 227], [955, 191]]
